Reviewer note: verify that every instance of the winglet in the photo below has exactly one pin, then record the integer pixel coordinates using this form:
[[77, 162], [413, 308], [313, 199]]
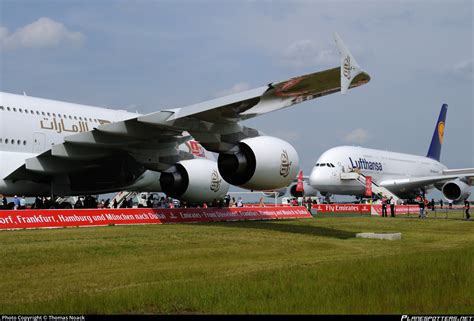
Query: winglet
[[349, 66]]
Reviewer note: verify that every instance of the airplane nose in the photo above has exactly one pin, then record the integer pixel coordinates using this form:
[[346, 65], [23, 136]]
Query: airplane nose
[[315, 177], [320, 178]]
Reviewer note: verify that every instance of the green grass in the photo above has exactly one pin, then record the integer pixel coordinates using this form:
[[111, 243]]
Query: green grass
[[293, 266]]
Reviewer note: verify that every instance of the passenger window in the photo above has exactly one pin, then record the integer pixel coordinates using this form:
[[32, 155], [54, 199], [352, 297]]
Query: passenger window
[[322, 165], [1, 107], [6, 140], [20, 110], [8, 108], [14, 109]]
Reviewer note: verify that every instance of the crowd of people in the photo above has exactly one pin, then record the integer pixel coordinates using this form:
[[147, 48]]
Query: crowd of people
[[154, 201]]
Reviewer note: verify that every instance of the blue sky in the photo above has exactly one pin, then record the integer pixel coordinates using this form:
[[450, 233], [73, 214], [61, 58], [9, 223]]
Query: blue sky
[[149, 55]]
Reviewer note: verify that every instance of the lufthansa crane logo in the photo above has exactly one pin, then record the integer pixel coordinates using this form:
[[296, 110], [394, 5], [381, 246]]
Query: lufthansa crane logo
[[215, 181], [440, 131], [346, 67], [285, 164]]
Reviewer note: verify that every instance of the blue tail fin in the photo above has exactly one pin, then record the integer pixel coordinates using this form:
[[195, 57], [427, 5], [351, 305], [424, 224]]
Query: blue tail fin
[[435, 147]]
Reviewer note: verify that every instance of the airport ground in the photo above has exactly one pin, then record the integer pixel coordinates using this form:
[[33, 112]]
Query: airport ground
[[289, 266]]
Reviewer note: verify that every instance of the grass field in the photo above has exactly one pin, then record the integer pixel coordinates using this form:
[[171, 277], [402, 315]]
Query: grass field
[[293, 266]]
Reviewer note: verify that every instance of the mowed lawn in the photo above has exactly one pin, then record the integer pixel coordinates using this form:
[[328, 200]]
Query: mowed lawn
[[289, 266]]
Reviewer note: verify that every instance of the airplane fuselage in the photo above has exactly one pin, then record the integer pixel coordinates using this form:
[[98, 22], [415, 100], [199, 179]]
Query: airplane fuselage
[[30, 126], [383, 166]]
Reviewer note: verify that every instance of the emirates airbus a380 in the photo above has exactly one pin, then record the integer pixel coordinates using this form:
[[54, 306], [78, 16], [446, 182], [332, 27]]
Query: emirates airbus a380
[[52, 147]]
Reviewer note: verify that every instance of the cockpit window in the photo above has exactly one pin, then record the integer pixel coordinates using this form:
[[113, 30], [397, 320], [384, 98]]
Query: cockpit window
[[325, 164]]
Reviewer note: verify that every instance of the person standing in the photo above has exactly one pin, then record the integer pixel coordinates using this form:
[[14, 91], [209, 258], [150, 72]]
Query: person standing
[[392, 207], [467, 205], [22, 203], [4, 202], [239, 202], [441, 204], [16, 203], [38, 203], [421, 204], [309, 205], [384, 206]]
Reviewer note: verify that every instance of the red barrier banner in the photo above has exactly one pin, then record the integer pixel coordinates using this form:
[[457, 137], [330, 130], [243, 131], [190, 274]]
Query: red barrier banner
[[368, 186], [22, 219], [342, 208], [399, 209]]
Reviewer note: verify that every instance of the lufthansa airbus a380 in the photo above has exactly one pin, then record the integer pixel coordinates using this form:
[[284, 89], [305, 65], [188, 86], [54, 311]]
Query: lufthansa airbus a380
[[51, 147], [404, 175]]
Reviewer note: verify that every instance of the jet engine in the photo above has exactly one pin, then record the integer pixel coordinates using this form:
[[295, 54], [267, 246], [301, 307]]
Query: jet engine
[[456, 190], [308, 190], [259, 163], [194, 180]]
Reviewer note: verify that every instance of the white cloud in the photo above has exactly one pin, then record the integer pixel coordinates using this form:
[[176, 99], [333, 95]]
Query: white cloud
[[357, 136], [43, 33], [464, 69], [241, 86], [306, 53]]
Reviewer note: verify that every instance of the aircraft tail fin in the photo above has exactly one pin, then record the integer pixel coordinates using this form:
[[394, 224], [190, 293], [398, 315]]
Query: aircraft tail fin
[[350, 69], [434, 151]]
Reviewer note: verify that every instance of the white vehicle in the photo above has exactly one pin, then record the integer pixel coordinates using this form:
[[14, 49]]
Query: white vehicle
[[342, 170], [50, 147]]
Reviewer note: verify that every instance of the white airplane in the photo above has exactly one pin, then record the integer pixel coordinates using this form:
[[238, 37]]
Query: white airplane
[[51, 147], [404, 175]]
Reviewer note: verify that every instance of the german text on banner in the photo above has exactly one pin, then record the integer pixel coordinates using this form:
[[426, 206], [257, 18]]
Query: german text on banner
[[21, 219]]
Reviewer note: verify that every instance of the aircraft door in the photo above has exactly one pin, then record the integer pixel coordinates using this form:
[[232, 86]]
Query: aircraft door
[[38, 142]]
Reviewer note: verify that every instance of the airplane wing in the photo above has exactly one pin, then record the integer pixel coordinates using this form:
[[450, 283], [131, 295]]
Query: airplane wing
[[465, 174], [152, 139]]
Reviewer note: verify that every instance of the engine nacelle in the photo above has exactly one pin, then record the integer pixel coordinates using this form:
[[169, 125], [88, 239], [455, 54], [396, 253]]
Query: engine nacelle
[[194, 180], [260, 163], [308, 190], [456, 190]]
